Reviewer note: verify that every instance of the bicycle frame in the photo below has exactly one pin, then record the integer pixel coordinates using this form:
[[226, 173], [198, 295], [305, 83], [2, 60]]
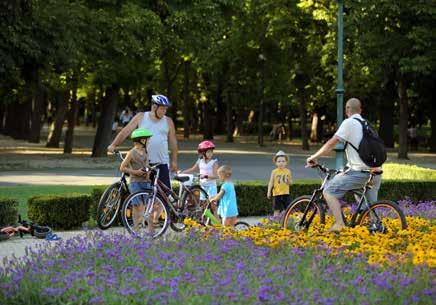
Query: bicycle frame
[[208, 213], [317, 196], [123, 179], [164, 191]]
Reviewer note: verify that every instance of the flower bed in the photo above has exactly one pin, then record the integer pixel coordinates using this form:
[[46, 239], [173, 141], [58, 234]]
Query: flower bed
[[416, 244], [264, 265]]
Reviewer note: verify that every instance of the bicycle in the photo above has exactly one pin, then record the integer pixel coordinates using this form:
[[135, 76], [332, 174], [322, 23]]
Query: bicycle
[[111, 199], [208, 218], [163, 206], [378, 217]]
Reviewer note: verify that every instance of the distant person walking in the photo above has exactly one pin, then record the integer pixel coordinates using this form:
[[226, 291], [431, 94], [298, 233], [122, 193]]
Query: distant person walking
[[164, 136], [126, 116]]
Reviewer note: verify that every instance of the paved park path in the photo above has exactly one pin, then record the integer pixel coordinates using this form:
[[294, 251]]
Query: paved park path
[[35, 164], [245, 167]]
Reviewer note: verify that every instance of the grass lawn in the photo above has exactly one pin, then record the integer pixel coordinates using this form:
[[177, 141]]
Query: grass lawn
[[23, 192], [395, 171]]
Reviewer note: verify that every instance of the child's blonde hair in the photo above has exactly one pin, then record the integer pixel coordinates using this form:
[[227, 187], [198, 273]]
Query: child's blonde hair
[[226, 170]]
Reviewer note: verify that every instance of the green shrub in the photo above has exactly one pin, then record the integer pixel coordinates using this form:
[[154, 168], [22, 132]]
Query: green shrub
[[252, 199], [95, 198], [8, 211], [60, 212]]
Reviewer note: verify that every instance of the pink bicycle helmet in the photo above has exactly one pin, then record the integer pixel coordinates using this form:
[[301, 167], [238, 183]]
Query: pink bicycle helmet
[[205, 146]]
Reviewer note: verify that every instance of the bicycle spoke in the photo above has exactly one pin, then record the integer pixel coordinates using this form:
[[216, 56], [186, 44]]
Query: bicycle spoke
[[383, 217], [144, 218], [108, 206]]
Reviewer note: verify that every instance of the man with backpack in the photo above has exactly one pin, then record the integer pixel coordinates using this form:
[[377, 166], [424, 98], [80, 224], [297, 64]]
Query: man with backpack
[[364, 151]]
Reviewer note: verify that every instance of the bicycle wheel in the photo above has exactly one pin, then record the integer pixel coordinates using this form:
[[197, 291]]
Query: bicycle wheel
[[109, 205], [382, 217], [294, 213], [241, 226], [192, 204], [141, 223]]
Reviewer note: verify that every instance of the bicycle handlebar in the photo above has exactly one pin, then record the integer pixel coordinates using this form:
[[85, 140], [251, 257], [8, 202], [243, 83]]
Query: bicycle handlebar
[[324, 168], [151, 168], [119, 154]]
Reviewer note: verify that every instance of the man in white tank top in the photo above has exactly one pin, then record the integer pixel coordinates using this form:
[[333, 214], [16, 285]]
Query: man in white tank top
[[164, 136]]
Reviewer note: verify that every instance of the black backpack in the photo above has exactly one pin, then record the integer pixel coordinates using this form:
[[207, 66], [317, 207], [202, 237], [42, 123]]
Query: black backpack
[[371, 149]]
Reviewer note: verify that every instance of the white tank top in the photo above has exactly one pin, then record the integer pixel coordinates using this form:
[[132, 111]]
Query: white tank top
[[157, 146], [207, 169]]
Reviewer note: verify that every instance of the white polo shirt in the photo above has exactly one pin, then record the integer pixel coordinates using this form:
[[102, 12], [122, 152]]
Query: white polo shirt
[[351, 131]]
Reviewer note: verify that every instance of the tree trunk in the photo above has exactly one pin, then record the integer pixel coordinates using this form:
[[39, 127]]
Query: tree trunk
[[127, 97], [404, 117], [17, 123], [186, 101], [260, 124], [220, 105], [169, 90], [55, 133], [261, 103], [290, 129], [72, 118], [314, 128], [98, 106], [229, 118], [239, 129], [207, 121], [433, 128], [304, 138], [2, 116], [37, 113], [104, 129], [386, 111]]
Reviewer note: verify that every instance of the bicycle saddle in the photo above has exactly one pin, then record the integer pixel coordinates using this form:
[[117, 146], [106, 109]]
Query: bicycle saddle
[[376, 172], [181, 178]]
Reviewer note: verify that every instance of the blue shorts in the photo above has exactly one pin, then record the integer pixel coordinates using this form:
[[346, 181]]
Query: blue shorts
[[352, 181], [135, 187]]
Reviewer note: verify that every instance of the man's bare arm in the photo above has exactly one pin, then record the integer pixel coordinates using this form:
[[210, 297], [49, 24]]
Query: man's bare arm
[[325, 149], [172, 141]]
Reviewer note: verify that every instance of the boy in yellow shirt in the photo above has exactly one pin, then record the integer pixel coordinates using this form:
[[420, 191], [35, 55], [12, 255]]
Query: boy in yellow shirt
[[279, 183]]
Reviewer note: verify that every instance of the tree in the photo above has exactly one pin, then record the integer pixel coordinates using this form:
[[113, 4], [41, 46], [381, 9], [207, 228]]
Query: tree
[[400, 42], [128, 47]]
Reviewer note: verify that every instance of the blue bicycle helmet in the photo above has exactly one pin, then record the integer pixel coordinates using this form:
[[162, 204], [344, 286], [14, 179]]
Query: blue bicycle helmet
[[160, 100]]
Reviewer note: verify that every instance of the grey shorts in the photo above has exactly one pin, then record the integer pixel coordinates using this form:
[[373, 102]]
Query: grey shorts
[[352, 181]]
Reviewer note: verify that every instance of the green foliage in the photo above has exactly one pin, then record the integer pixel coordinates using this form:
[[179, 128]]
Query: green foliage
[[241, 51], [61, 212], [8, 211]]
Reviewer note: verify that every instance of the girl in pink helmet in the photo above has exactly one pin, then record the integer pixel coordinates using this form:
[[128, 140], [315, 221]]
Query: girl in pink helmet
[[207, 167]]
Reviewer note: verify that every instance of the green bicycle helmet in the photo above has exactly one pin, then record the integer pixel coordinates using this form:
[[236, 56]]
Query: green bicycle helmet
[[141, 133]]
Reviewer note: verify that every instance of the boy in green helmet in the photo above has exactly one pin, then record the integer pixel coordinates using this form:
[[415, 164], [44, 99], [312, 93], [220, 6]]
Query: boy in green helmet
[[134, 163]]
